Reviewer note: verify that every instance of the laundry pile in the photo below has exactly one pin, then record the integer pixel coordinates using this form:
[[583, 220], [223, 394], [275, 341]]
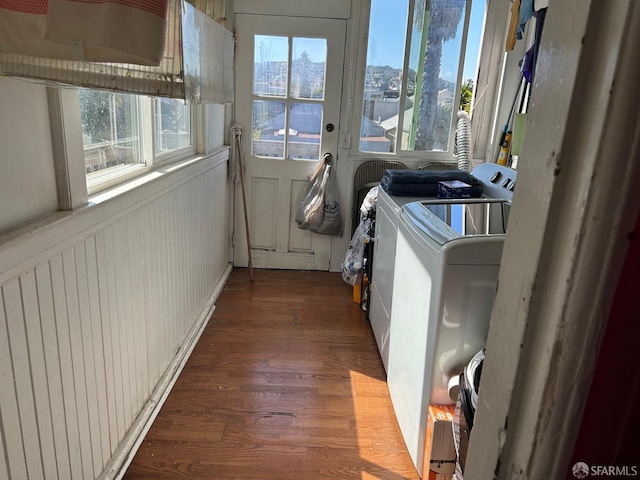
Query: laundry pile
[[355, 258]]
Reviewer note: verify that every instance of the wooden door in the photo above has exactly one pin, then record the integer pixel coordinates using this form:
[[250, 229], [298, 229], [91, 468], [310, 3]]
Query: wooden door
[[288, 92]]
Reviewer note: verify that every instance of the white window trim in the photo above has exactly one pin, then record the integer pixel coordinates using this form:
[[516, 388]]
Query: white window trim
[[175, 155], [110, 177], [68, 152]]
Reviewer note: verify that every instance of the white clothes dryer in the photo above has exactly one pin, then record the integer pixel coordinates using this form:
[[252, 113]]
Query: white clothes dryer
[[384, 257]]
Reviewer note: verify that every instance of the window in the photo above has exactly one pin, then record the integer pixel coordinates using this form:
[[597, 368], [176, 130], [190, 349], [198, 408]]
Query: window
[[414, 73], [110, 129], [123, 133]]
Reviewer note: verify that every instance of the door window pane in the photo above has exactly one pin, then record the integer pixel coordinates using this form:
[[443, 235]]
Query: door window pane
[[291, 128], [110, 129], [271, 64], [268, 133], [308, 69], [305, 131]]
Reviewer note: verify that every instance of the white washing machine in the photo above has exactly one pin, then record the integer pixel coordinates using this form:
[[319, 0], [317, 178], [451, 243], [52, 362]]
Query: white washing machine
[[447, 260]]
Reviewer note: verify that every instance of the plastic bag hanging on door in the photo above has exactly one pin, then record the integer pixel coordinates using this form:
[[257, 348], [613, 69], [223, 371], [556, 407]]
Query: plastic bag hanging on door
[[319, 210], [309, 213], [331, 215]]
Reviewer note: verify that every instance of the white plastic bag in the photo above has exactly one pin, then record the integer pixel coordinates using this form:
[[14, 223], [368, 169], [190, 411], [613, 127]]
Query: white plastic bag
[[309, 213], [331, 216], [319, 210]]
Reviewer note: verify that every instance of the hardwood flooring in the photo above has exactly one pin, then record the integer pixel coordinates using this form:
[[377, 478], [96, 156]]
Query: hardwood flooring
[[285, 383]]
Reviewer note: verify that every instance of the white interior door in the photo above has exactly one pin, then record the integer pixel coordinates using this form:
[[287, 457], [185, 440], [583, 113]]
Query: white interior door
[[288, 88]]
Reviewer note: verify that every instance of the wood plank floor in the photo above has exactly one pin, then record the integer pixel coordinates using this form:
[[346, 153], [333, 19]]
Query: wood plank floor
[[285, 383]]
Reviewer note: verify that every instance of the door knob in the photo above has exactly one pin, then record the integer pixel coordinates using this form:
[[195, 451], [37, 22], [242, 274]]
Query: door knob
[[329, 127]]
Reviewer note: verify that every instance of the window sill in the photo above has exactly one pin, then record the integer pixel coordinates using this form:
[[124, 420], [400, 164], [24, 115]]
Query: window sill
[[138, 178], [114, 176], [25, 246], [107, 178]]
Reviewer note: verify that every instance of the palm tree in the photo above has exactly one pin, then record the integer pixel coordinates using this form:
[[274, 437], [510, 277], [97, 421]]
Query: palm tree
[[443, 17], [466, 93]]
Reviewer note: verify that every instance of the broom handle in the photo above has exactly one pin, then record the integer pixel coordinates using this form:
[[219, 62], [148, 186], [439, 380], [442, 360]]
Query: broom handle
[[244, 206]]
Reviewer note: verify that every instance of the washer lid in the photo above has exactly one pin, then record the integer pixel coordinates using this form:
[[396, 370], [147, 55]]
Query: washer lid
[[446, 221]]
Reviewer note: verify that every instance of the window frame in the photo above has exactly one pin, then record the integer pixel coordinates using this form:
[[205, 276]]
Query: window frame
[[355, 123], [100, 180]]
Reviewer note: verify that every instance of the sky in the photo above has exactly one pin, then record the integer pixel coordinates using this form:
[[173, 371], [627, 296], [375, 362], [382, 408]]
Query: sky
[[473, 40], [386, 47], [275, 48]]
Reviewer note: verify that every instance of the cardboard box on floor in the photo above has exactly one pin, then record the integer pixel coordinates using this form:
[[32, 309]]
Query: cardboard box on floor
[[439, 449], [438, 476]]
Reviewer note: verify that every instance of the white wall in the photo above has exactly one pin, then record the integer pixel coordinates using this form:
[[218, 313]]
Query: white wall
[[216, 125], [99, 306], [27, 178]]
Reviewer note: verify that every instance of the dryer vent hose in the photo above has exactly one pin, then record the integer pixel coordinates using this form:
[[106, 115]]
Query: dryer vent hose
[[463, 141]]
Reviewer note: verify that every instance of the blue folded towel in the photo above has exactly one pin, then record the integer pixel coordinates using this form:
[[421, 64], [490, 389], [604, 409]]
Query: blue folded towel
[[414, 183]]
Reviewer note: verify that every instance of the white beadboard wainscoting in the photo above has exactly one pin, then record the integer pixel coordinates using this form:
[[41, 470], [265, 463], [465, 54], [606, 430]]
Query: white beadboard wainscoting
[[99, 310]]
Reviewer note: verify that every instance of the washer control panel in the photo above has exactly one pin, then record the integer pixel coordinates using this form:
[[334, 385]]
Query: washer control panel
[[497, 181]]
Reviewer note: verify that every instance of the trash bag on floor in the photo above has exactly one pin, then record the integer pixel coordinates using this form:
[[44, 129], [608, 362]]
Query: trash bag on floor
[[354, 258]]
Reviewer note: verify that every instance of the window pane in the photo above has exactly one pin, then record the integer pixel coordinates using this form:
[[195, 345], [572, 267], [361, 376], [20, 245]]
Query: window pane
[[385, 56], [472, 51], [308, 69], [173, 125], [291, 127], [304, 133], [423, 111], [268, 128], [270, 65], [437, 47], [110, 129]]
